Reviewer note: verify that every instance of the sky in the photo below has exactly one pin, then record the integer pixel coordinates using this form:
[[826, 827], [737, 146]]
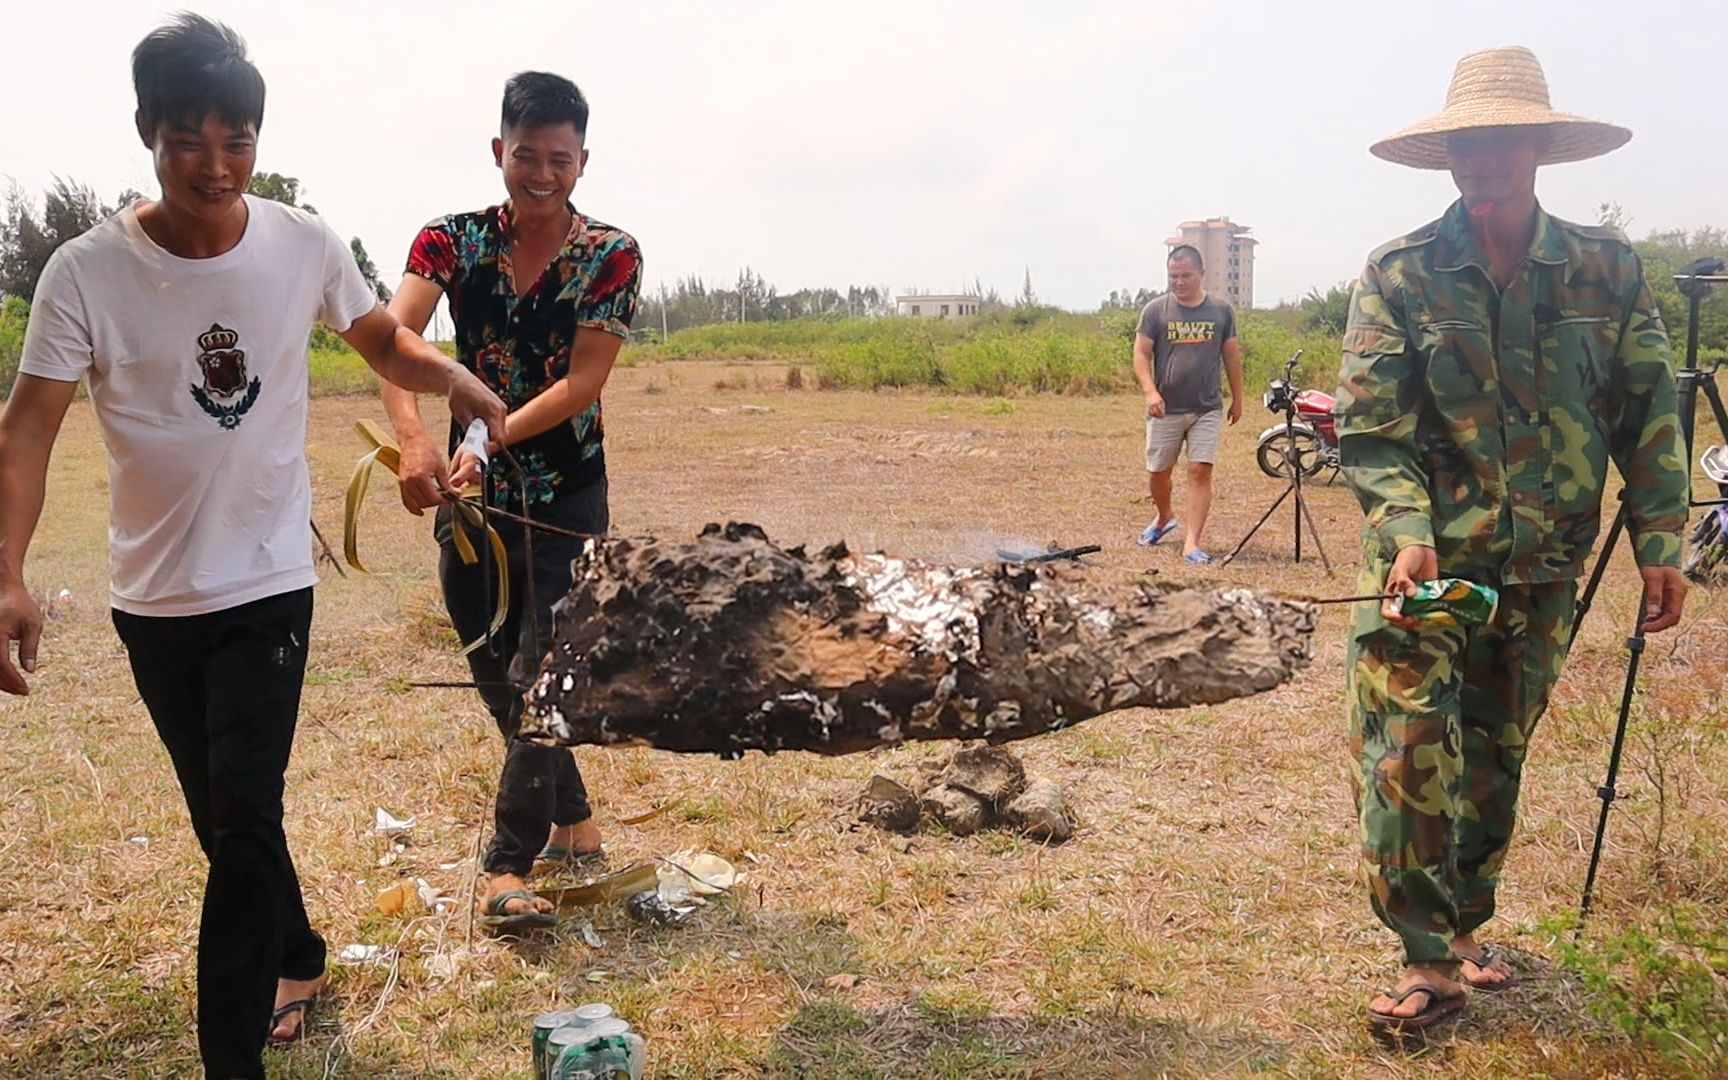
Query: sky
[[908, 143]]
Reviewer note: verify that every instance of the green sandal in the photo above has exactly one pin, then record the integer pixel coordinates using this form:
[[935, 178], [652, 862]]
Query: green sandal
[[498, 920], [1484, 961]]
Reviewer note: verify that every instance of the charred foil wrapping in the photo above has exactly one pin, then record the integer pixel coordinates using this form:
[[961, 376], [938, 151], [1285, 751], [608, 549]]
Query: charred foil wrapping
[[729, 643]]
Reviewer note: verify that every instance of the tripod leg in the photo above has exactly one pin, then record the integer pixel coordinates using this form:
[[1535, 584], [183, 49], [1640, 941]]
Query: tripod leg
[[1607, 793], [1686, 404], [1270, 510], [1716, 408], [1589, 593], [1302, 505]]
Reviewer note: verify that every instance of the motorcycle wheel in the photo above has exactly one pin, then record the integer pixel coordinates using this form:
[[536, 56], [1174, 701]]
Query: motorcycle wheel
[[1278, 450]]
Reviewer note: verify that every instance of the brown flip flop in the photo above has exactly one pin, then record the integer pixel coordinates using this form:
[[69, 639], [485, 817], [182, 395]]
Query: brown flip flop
[[1485, 960], [1441, 1006]]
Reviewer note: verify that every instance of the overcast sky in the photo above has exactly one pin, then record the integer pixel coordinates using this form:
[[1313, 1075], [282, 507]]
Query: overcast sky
[[919, 143]]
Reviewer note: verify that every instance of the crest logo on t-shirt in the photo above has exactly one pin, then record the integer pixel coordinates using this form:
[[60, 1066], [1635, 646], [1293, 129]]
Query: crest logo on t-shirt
[[223, 366]]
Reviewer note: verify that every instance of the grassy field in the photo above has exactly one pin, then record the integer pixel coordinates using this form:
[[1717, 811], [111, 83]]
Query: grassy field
[[1008, 351], [1206, 920], [1002, 353]]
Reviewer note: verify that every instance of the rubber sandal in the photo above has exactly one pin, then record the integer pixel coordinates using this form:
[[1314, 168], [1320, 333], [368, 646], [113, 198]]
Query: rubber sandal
[[1482, 962], [1199, 558], [304, 1007], [1153, 533], [560, 853], [498, 920], [557, 857], [1440, 1006]]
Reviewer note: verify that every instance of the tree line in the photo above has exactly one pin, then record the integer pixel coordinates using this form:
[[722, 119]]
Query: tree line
[[30, 233], [691, 301], [31, 230]]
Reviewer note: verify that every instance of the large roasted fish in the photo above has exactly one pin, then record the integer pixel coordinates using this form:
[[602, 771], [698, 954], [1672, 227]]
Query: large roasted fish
[[730, 643]]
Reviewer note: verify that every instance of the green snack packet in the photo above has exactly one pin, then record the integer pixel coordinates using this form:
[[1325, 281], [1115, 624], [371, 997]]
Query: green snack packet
[[1450, 602]]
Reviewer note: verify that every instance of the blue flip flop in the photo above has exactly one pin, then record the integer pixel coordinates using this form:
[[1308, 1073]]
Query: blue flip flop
[[1155, 532], [1199, 558]]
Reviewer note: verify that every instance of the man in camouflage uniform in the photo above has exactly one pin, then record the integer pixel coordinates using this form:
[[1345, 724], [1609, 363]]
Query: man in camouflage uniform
[[1495, 360]]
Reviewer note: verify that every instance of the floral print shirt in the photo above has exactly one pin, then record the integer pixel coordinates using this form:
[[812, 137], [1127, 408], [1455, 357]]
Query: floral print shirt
[[520, 345]]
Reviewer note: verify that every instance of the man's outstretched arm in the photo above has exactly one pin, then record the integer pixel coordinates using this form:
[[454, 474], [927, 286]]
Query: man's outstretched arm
[[28, 429], [401, 356], [423, 468]]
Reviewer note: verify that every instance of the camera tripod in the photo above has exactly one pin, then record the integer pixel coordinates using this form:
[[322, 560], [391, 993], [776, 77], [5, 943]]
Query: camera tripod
[[1280, 395], [1695, 281]]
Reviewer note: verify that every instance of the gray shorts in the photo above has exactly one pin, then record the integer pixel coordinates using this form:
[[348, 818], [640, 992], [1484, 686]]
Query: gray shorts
[[1166, 434]]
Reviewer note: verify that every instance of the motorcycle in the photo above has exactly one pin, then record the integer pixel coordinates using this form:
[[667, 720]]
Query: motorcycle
[[1707, 557], [1306, 439]]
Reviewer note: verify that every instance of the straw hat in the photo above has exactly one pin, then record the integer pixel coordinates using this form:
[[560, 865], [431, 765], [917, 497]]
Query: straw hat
[[1499, 88]]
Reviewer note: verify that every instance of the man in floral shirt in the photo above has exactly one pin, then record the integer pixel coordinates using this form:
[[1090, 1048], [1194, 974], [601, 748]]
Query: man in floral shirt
[[542, 297]]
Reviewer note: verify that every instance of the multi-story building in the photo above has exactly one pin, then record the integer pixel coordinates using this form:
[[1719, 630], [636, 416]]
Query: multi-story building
[[1228, 252]]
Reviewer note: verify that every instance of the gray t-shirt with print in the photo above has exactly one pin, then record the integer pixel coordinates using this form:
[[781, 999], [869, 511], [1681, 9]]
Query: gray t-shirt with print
[[1188, 351]]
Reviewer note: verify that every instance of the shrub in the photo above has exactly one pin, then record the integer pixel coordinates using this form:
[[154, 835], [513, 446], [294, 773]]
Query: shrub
[[14, 315]]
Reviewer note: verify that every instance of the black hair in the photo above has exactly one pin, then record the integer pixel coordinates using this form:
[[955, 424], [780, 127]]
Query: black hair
[[534, 99], [1189, 252], [194, 67]]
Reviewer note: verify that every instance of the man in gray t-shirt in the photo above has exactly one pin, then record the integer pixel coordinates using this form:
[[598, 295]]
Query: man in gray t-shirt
[[1185, 340]]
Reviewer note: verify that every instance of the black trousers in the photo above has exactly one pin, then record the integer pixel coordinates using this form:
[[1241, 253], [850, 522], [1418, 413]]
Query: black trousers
[[224, 692], [540, 786]]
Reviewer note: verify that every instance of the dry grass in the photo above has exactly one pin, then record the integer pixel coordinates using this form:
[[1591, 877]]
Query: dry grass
[[1205, 920]]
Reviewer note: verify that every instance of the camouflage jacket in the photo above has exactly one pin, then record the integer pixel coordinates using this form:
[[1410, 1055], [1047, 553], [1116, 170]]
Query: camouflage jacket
[[1480, 421]]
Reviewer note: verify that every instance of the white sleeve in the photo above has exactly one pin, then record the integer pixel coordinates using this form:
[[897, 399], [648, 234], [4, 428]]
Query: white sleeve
[[57, 338], [347, 297]]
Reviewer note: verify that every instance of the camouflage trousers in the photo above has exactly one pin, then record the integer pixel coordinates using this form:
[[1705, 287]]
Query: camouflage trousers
[[1440, 720]]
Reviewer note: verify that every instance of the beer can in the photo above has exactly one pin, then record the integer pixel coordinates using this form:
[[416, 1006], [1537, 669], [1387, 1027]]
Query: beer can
[[594, 1012], [607, 1028], [1450, 602], [602, 1049], [558, 1046], [544, 1025]]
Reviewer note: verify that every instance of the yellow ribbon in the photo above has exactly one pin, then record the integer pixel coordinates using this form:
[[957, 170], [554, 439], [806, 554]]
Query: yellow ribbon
[[385, 452]]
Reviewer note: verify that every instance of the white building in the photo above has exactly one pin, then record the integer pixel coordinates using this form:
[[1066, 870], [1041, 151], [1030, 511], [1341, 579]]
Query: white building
[[936, 305], [1228, 252]]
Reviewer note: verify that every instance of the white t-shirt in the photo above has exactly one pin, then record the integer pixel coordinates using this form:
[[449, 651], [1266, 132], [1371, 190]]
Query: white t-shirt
[[198, 374]]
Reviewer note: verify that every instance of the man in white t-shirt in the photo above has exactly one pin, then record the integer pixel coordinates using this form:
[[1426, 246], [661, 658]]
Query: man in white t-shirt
[[189, 317]]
